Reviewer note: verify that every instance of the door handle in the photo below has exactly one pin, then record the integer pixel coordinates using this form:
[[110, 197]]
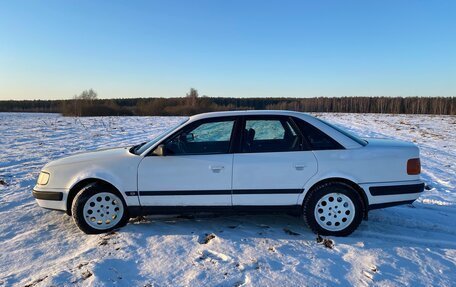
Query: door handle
[[299, 166], [216, 168]]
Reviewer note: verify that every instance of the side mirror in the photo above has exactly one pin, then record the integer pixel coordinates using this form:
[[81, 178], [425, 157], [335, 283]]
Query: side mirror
[[160, 150], [190, 137], [187, 137]]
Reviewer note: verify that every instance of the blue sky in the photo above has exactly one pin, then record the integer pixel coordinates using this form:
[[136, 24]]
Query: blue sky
[[56, 49]]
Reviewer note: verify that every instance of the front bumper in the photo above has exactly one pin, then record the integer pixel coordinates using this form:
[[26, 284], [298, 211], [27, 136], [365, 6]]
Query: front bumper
[[48, 195], [50, 198]]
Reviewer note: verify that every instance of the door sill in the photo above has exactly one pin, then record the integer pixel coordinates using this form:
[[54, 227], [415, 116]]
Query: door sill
[[237, 209]]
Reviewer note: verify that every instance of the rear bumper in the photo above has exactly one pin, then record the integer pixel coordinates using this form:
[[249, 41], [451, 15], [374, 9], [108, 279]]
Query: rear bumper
[[386, 194], [396, 189]]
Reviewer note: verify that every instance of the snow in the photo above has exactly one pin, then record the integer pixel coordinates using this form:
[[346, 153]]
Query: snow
[[410, 245]]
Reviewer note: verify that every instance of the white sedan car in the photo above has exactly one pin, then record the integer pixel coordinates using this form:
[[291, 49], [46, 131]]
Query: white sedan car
[[241, 161]]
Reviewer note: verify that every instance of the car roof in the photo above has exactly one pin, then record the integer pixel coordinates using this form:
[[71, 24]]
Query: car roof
[[246, 113], [335, 134]]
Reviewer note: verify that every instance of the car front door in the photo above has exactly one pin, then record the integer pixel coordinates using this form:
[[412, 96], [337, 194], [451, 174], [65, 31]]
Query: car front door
[[273, 164], [196, 169]]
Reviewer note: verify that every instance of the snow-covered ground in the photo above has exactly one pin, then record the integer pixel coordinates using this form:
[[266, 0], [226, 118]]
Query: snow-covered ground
[[409, 245]]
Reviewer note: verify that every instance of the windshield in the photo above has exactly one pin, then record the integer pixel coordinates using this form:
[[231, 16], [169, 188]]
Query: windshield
[[139, 149], [346, 133]]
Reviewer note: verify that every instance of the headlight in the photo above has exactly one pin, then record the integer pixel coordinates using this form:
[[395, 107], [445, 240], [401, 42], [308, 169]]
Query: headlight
[[43, 178]]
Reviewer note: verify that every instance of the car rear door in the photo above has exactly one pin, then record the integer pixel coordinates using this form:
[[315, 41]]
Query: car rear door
[[196, 170], [273, 163]]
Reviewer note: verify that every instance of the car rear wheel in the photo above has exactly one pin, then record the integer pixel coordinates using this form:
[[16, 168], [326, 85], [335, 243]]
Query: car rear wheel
[[98, 209], [333, 208]]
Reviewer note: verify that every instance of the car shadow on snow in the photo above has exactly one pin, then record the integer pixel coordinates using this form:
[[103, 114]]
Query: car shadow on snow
[[236, 226]]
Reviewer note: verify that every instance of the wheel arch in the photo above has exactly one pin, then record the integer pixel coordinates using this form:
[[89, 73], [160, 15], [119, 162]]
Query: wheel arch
[[351, 183], [83, 183]]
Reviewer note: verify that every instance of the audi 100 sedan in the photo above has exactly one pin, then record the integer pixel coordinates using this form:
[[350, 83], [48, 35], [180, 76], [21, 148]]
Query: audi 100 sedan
[[241, 161]]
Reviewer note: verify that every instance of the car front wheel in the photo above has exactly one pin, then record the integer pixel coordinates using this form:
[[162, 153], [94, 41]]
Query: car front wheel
[[333, 208], [98, 209]]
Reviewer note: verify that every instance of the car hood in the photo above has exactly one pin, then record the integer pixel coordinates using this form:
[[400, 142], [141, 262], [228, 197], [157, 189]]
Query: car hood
[[378, 142], [93, 156]]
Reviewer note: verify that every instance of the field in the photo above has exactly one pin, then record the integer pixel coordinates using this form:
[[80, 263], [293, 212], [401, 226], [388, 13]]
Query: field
[[412, 245]]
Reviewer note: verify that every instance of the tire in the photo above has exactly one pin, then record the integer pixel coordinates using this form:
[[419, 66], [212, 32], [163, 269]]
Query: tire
[[333, 208], [98, 209]]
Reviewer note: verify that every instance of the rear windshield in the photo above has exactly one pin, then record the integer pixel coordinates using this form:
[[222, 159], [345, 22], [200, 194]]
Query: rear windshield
[[346, 133]]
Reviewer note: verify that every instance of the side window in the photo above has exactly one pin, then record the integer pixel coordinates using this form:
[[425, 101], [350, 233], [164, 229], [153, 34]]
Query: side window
[[266, 129], [270, 135], [212, 132], [205, 138], [317, 139]]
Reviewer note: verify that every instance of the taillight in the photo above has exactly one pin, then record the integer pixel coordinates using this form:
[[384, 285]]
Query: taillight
[[413, 166]]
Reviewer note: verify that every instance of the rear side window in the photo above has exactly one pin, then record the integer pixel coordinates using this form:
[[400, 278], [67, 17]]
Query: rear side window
[[317, 139], [270, 135], [266, 129], [346, 133]]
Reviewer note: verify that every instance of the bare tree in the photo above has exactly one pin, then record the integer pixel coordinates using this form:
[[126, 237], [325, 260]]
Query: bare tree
[[192, 97], [89, 95], [83, 101]]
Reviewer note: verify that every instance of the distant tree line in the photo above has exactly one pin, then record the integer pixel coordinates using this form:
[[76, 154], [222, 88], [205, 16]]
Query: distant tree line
[[88, 104]]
